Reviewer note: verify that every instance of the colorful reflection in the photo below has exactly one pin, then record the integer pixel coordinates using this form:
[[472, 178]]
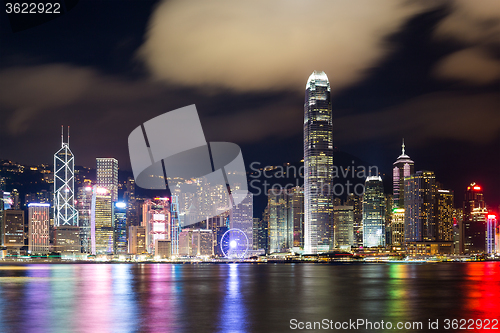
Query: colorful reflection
[[36, 312], [398, 303], [161, 307], [232, 317], [482, 294], [94, 292], [124, 312]]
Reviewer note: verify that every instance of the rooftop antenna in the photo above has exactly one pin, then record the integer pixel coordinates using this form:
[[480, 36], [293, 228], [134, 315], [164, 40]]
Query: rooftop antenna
[[403, 146], [68, 135], [62, 135]]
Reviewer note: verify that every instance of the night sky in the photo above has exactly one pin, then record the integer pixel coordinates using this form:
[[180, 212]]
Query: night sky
[[425, 71]]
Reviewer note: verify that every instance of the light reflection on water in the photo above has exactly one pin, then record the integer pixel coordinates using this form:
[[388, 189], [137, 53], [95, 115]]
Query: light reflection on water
[[238, 297]]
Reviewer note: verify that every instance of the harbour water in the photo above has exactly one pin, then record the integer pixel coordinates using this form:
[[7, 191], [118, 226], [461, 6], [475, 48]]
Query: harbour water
[[244, 297]]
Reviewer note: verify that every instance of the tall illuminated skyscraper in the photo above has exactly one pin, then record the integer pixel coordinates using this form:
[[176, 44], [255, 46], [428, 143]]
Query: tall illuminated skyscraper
[[357, 203], [398, 227], [280, 227], [420, 207], [318, 163], [241, 217], [444, 215], [65, 213], [84, 206], [13, 230], [344, 221], [403, 167], [107, 175], [101, 217], [491, 234], [156, 221], [120, 228], [374, 212], [474, 227]]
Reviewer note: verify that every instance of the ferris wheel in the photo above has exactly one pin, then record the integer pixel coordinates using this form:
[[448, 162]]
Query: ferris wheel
[[234, 244]]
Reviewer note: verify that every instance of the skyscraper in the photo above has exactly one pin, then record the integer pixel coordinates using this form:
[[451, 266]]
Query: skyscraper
[[107, 175], [279, 226], [491, 234], [398, 227], [356, 202], [175, 227], [65, 213], [474, 221], [156, 221], [241, 217], [120, 228], [38, 228], [403, 167], [101, 221], [136, 240], [420, 207], [13, 230], [296, 213], [344, 221], [84, 206], [444, 215], [373, 212], [286, 216], [318, 163]]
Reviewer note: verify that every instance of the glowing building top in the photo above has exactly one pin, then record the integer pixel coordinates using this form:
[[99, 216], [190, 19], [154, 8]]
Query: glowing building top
[[318, 78]]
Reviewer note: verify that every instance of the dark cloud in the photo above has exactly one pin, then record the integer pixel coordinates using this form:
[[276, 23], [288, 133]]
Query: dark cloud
[[269, 45], [471, 118], [476, 26]]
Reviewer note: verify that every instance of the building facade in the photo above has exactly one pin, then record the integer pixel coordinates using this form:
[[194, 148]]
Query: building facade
[[84, 207], [13, 230], [38, 228], [373, 212], [444, 215], [107, 175], [343, 225], [136, 240], [120, 228], [474, 218], [156, 221], [102, 240], [420, 207]]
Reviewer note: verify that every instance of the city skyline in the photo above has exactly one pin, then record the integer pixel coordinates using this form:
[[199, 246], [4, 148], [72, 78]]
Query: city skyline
[[249, 166], [412, 88]]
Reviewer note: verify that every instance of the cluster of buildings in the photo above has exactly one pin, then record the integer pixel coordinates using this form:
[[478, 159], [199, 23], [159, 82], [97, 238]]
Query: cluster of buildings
[[86, 218], [419, 217]]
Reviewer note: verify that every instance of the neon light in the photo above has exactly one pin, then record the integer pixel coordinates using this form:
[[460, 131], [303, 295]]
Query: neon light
[[38, 205], [121, 205], [102, 190], [492, 216], [88, 188], [477, 188]]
